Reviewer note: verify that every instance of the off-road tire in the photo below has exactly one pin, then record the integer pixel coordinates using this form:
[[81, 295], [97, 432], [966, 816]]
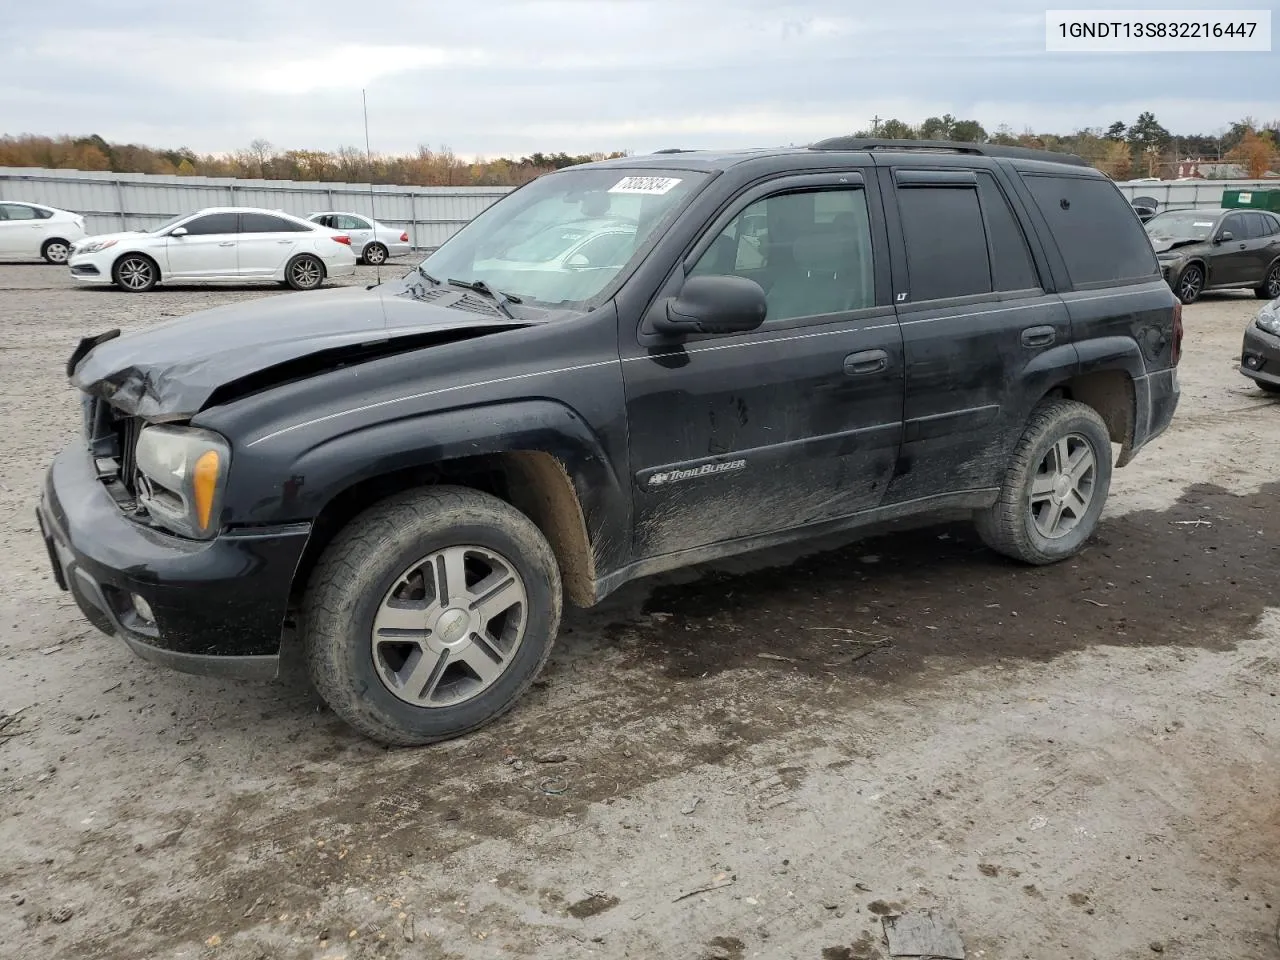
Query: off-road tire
[[375, 254], [362, 563], [1008, 526]]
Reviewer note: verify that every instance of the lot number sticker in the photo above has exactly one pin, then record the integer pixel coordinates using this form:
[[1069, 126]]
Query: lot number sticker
[[654, 186]]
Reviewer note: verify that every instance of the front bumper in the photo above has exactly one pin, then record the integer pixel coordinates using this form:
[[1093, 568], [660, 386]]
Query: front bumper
[[218, 605], [1260, 355], [340, 268], [88, 270]]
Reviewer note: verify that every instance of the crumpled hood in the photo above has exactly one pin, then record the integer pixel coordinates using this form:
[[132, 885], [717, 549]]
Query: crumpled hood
[[169, 371], [1162, 245]]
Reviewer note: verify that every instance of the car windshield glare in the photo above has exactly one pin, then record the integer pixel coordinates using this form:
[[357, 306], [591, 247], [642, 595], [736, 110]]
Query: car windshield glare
[[1181, 225], [171, 222], [565, 238]]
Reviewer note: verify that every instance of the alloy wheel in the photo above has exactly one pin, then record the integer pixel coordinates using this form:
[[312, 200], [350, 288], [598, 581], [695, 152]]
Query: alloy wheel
[[135, 273], [449, 626], [1063, 485]]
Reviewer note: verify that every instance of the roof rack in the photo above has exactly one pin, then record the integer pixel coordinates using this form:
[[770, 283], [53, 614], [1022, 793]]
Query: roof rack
[[948, 146], [674, 150]]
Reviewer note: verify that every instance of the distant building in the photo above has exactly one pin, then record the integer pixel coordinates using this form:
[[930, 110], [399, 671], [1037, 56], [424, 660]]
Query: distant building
[[1210, 170]]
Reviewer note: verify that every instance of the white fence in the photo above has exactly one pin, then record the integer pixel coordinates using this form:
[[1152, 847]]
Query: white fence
[[1191, 194], [136, 201]]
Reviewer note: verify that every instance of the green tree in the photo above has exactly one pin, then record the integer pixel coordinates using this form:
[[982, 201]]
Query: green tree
[[968, 131], [1116, 131]]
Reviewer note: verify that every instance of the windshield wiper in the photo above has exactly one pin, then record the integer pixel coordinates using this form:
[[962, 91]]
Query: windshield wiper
[[498, 297], [427, 277]]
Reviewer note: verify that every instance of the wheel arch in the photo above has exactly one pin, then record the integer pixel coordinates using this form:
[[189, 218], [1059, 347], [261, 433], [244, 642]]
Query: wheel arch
[[538, 457], [534, 482]]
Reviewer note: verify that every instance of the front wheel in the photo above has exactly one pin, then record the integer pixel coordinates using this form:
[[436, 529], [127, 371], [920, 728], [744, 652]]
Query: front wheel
[[304, 272], [135, 273], [1270, 287], [1190, 284], [430, 614], [1055, 487]]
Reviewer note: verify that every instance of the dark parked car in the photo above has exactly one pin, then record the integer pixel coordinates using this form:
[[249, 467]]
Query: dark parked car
[[798, 342], [1260, 353], [1203, 250]]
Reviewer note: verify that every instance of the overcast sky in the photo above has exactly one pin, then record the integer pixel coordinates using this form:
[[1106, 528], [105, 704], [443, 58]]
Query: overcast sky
[[502, 77]]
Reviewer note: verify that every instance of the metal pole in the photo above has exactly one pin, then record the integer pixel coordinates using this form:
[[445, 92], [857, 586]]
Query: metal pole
[[124, 222]]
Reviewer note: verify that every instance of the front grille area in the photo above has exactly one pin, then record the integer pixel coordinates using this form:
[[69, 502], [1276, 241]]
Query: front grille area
[[129, 428], [111, 438]]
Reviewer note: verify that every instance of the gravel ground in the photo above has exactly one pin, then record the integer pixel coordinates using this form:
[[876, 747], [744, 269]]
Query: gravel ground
[[1071, 762]]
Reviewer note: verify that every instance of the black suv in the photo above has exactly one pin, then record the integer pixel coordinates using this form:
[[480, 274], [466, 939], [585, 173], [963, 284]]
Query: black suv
[[618, 369]]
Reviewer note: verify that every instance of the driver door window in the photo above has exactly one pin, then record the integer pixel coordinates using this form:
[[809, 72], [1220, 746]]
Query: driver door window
[[809, 250]]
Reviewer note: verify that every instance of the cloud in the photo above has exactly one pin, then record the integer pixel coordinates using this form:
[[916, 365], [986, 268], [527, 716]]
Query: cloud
[[513, 76]]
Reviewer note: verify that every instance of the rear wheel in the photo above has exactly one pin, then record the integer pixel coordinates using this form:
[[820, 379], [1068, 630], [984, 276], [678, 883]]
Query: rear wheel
[[56, 250], [1055, 487], [1190, 283], [135, 273], [374, 254], [1270, 288], [304, 272], [430, 614]]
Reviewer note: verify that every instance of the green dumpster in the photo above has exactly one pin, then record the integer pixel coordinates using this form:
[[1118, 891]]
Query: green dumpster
[[1267, 199]]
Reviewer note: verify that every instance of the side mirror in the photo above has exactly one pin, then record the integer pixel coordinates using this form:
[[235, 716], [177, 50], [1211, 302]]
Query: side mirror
[[1224, 236], [714, 304], [178, 232]]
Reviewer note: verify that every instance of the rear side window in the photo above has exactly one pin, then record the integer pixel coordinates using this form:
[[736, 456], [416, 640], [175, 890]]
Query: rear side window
[[1011, 264], [945, 240], [1270, 225], [1094, 227], [265, 223], [1258, 226]]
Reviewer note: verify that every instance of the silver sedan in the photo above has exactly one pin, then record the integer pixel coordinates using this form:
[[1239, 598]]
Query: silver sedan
[[373, 242]]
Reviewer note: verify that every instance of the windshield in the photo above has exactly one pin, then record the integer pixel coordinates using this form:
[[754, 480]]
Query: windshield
[[1181, 225], [169, 223], [565, 237]]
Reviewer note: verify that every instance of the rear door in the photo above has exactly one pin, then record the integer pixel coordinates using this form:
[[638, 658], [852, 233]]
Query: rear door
[[266, 243], [359, 229], [1260, 244], [207, 250], [975, 315]]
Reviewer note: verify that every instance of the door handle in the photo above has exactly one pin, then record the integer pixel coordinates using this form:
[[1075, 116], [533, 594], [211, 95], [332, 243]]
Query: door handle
[[864, 362], [284, 241], [227, 243], [1038, 336]]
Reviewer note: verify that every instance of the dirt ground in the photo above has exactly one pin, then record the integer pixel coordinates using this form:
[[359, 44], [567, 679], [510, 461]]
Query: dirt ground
[[1072, 762]]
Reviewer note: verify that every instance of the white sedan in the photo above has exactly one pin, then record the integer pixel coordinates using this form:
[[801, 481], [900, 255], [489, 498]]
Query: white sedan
[[215, 245], [373, 242], [34, 230]]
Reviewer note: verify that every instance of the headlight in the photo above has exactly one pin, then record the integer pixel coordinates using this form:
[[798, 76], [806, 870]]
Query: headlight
[[93, 246], [1269, 318], [183, 470]]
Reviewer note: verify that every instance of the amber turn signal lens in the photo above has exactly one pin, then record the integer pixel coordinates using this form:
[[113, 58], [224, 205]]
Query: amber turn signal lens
[[205, 485]]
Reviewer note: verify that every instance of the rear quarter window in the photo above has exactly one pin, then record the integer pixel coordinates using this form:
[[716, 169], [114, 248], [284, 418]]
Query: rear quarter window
[[1095, 229]]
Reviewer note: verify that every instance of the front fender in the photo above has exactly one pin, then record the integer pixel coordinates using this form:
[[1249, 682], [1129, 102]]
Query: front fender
[[321, 472]]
